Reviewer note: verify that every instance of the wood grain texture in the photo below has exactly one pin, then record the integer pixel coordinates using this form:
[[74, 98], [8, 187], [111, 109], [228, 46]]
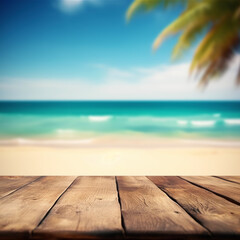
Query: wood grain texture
[[147, 211], [235, 179], [22, 211], [9, 184], [218, 215], [88, 209], [227, 189]]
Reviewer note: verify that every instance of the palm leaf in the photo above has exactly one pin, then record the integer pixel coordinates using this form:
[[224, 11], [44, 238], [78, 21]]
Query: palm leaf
[[147, 5], [222, 20], [219, 65], [213, 43], [184, 20], [189, 35]]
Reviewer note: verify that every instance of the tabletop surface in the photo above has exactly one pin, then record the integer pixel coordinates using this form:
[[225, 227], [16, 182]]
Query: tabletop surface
[[122, 207]]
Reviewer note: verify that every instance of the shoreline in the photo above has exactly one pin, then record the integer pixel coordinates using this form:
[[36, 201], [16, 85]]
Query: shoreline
[[137, 140]]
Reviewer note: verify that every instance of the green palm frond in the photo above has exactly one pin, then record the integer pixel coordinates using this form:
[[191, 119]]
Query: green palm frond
[[189, 36], [147, 5], [220, 19], [184, 20], [214, 44], [219, 65], [213, 40]]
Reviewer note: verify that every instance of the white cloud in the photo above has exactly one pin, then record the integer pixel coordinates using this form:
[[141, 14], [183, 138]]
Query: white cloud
[[156, 83], [113, 73], [69, 6]]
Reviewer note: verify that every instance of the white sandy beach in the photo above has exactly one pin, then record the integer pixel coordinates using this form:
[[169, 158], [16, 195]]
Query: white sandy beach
[[166, 160]]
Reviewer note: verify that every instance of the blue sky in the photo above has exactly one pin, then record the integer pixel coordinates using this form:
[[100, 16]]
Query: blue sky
[[84, 49]]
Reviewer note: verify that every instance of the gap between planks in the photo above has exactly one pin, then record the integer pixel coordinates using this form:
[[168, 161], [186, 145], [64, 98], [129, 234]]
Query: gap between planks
[[88, 209], [225, 189], [219, 216], [176, 201], [22, 211], [149, 212], [11, 184], [53, 206], [233, 179], [119, 200]]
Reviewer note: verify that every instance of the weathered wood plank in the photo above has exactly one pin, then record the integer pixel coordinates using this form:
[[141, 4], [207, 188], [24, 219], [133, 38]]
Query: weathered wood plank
[[9, 184], [235, 179], [224, 188], [149, 212], [218, 215], [88, 209], [22, 211]]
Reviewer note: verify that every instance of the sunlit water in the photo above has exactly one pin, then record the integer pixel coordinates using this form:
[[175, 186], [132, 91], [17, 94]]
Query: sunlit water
[[80, 122]]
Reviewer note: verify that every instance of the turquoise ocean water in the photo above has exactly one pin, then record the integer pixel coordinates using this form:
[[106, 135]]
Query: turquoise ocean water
[[66, 120]]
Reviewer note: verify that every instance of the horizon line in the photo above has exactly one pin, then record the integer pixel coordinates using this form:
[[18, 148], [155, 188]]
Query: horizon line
[[119, 100]]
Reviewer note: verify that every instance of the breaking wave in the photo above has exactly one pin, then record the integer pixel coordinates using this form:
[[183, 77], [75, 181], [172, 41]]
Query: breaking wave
[[232, 121], [99, 118], [208, 123]]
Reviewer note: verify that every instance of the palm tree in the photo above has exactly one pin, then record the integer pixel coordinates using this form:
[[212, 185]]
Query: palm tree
[[218, 21]]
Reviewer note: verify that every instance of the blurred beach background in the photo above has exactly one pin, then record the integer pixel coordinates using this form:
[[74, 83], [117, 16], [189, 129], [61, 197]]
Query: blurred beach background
[[81, 92], [121, 137]]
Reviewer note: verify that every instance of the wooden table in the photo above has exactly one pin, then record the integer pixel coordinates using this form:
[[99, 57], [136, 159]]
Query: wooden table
[[69, 207]]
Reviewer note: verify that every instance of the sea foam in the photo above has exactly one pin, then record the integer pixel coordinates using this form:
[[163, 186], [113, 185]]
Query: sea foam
[[209, 123], [46, 142], [99, 118], [232, 121]]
